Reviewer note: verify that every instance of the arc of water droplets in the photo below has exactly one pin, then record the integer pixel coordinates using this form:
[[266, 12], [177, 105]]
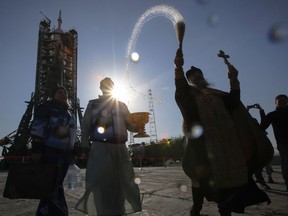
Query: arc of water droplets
[[160, 10]]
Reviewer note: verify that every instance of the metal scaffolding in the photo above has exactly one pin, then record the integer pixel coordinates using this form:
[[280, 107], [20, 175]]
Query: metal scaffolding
[[56, 66]]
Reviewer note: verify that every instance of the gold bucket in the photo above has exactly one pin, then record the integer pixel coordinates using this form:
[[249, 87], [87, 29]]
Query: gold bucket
[[141, 118]]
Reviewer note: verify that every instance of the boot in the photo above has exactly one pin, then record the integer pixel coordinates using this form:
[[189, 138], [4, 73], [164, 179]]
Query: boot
[[198, 199], [194, 211], [225, 212]]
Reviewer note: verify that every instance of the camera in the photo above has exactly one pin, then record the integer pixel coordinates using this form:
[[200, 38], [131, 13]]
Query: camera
[[252, 106]]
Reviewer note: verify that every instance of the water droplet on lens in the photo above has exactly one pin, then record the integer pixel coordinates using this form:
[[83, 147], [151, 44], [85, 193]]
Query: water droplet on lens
[[213, 20], [101, 130], [137, 181], [135, 57], [196, 131], [183, 188], [278, 32], [203, 1]]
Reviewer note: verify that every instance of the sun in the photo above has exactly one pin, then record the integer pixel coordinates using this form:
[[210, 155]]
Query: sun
[[121, 92]]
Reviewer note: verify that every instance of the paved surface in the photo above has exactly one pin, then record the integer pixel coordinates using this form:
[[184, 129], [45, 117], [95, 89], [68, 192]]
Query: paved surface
[[166, 191]]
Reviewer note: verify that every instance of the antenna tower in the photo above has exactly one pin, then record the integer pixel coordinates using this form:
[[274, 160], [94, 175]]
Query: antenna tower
[[152, 122]]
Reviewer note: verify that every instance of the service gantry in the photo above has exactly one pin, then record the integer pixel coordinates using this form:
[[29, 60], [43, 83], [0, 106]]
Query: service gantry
[[56, 66]]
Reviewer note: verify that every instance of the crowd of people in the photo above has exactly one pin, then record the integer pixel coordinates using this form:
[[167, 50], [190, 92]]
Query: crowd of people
[[220, 162]]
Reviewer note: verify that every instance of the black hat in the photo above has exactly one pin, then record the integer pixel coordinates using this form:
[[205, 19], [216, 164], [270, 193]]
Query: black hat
[[281, 96], [193, 69], [54, 90]]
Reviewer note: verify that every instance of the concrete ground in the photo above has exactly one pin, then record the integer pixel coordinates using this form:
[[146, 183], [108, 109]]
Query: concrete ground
[[165, 191]]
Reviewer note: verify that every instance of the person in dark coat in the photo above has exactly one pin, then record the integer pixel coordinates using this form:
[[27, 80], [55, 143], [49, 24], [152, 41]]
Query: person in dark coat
[[53, 137], [268, 168], [279, 121], [216, 158]]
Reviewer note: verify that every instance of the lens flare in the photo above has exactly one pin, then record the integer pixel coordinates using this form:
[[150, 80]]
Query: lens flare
[[137, 181], [196, 131], [135, 57], [101, 130], [183, 188], [211, 183], [278, 32]]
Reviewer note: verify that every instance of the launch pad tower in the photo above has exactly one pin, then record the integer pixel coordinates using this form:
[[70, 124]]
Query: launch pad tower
[[56, 66]]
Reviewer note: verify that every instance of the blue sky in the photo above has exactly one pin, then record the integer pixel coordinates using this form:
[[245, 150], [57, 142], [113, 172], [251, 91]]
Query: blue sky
[[239, 27]]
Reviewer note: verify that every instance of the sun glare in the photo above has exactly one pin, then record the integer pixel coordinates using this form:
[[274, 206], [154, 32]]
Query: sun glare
[[121, 93]]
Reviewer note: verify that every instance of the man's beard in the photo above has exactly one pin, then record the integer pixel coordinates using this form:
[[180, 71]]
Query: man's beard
[[201, 83]]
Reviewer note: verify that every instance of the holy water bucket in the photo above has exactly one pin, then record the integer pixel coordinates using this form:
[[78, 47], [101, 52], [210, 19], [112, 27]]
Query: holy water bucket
[[141, 118]]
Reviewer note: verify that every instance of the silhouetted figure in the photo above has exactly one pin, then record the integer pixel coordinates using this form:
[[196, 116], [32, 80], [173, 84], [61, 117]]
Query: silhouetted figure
[[110, 185], [279, 121], [268, 168], [54, 135], [217, 161]]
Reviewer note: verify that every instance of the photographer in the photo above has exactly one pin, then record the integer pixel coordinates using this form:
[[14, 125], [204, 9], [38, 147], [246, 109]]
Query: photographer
[[268, 168]]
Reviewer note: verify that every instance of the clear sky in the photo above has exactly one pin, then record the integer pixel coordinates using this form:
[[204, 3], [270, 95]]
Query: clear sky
[[239, 27]]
